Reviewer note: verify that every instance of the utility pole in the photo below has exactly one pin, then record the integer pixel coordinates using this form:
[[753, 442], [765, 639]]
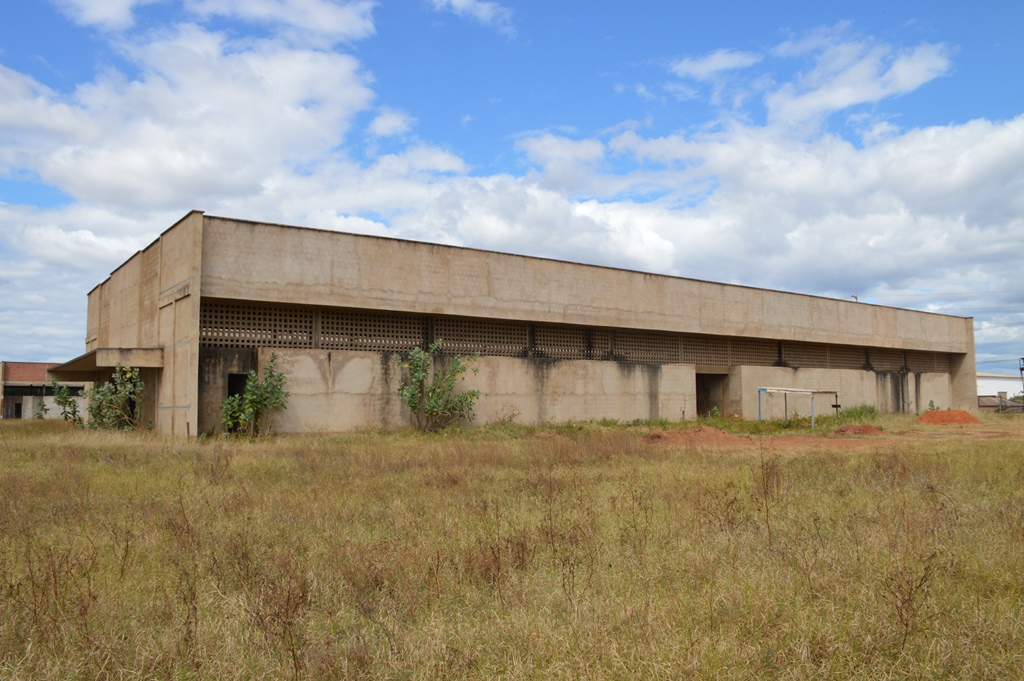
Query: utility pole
[[1022, 375]]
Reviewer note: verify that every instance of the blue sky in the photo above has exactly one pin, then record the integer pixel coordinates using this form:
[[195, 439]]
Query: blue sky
[[837, 149]]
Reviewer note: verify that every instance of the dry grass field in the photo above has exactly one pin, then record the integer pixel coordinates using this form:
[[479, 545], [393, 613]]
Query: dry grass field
[[569, 552]]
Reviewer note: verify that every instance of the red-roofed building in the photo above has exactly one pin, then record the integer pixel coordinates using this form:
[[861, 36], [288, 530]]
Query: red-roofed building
[[24, 386]]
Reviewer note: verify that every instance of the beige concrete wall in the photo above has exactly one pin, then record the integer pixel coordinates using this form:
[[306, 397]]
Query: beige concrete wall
[[541, 391], [215, 367], [152, 301], [335, 391], [937, 388], [887, 391], [94, 303], [342, 390], [964, 378], [255, 261]]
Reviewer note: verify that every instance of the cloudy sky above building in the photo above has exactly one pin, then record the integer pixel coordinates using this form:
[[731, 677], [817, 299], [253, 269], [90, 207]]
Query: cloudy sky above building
[[871, 150]]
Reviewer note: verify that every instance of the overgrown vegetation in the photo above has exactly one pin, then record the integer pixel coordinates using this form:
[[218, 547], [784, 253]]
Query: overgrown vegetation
[[63, 398], [509, 552], [431, 395], [251, 412], [116, 404], [859, 413]]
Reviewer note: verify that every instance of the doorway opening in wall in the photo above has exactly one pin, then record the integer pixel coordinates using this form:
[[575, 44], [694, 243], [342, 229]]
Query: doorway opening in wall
[[236, 384], [710, 394], [17, 410]]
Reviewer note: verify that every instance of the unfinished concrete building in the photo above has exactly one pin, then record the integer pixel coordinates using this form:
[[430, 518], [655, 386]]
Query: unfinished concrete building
[[212, 297]]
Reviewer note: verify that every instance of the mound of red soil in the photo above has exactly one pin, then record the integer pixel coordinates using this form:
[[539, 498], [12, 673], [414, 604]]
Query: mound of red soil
[[949, 417], [861, 429], [701, 435]]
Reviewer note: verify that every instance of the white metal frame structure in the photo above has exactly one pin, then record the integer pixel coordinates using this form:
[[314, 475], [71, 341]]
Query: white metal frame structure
[[799, 391]]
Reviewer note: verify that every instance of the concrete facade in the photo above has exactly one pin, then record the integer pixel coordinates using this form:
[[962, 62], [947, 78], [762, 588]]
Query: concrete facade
[[212, 297]]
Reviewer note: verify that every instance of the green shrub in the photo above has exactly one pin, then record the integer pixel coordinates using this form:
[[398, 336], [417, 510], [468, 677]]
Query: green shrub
[[251, 412], [434, 402], [115, 405], [68, 404]]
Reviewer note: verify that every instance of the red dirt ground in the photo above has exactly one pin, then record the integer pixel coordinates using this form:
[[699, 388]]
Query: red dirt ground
[[953, 417], [862, 429], [701, 435]]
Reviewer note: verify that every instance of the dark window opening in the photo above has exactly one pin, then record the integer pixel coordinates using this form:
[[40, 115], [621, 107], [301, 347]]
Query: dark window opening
[[39, 390], [710, 393], [236, 384]]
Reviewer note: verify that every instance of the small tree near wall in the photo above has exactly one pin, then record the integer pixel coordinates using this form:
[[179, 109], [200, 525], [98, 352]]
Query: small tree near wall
[[433, 400], [251, 412], [68, 404], [115, 405]]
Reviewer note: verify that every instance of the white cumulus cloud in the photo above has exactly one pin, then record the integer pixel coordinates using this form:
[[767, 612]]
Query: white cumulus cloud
[[713, 64], [337, 20], [108, 14], [850, 73], [202, 120], [390, 122], [492, 14]]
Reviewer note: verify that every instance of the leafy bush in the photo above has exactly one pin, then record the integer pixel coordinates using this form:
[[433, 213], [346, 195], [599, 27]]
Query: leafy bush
[[434, 402], [251, 412], [68, 404], [115, 405]]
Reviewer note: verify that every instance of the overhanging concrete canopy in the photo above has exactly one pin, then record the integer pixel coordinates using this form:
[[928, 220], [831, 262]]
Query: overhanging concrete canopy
[[84, 367]]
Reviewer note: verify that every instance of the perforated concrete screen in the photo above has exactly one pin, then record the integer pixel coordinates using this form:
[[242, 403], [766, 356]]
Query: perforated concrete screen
[[570, 342], [352, 330], [847, 357], [927, 362], [885, 359], [250, 325], [227, 325], [807, 355], [482, 336], [705, 351], [647, 347], [752, 352]]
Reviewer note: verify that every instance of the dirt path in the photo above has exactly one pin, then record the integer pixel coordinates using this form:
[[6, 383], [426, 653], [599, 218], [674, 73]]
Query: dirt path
[[944, 427]]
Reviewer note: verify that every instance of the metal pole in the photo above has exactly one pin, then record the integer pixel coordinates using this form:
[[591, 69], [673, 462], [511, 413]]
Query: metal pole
[[812, 412], [759, 391], [1022, 375], [785, 406]]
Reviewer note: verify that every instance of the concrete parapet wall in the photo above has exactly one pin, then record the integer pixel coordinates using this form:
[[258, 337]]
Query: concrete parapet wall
[[336, 391], [340, 390], [887, 391], [541, 391], [343, 390], [272, 263]]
